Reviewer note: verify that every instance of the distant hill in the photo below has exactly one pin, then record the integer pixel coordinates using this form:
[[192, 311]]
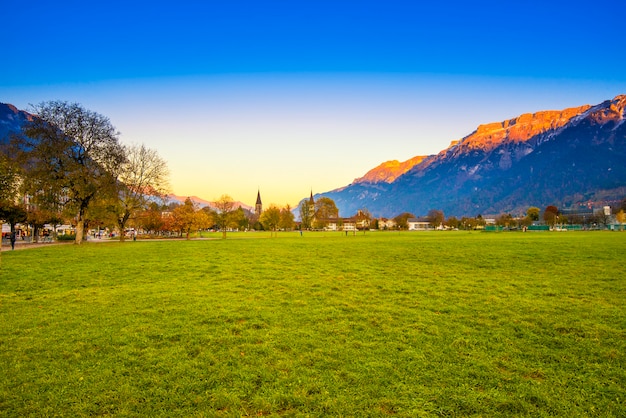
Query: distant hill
[[11, 121], [203, 203], [565, 158]]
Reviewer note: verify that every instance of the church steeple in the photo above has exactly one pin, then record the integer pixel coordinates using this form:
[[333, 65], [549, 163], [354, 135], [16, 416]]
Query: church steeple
[[258, 207], [312, 203]]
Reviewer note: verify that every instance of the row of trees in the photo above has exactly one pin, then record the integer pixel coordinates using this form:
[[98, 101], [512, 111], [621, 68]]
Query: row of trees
[[224, 216], [551, 216], [70, 164]]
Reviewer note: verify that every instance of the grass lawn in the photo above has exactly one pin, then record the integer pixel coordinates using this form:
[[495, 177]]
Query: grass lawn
[[409, 324]]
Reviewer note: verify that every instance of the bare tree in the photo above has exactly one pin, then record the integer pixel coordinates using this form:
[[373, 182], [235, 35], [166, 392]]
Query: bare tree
[[435, 218], [69, 155], [224, 206], [140, 179]]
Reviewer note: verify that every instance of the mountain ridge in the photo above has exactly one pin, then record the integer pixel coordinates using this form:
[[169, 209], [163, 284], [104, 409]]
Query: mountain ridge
[[389, 170], [503, 160]]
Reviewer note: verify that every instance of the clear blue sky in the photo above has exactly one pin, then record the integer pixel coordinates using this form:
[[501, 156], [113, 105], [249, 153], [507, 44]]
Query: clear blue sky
[[286, 96]]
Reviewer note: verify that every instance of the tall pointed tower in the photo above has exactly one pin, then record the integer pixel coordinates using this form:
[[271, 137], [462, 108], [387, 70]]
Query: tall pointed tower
[[312, 208], [258, 207], [312, 203]]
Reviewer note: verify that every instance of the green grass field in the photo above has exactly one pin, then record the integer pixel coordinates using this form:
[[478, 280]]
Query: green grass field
[[449, 324]]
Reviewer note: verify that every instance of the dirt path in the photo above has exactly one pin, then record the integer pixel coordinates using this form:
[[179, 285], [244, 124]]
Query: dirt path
[[28, 245]]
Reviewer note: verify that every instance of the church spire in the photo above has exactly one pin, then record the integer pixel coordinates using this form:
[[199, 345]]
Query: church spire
[[258, 207]]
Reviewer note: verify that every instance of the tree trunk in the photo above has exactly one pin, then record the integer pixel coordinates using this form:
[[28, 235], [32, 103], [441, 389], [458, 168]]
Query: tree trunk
[[121, 224], [80, 230]]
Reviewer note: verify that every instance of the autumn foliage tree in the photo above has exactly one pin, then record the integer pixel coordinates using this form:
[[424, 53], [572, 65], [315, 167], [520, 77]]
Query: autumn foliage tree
[[151, 218], [9, 180], [10, 211], [187, 218], [551, 215], [270, 218], [286, 218], [621, 218]]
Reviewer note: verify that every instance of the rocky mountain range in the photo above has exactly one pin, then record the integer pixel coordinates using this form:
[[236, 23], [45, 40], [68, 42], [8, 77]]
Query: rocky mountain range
[[565, 158]]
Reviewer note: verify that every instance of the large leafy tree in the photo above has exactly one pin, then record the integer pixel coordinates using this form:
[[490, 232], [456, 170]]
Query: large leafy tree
[[435, 218], [325, 209], [142, 177], [402, 220], [270, 218], [533, 213], [239, 218], [69, 155]]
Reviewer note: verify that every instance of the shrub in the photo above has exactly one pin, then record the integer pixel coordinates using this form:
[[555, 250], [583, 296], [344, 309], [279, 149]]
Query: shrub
[[66, 237]]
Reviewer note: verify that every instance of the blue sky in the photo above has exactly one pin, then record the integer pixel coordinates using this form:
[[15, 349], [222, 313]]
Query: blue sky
[[291, 96]]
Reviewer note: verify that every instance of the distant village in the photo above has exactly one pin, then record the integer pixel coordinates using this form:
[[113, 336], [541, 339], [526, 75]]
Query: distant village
[[175, 219]]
